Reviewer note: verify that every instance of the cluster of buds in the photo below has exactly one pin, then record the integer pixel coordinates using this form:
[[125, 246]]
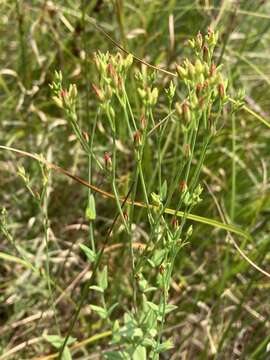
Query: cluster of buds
[[204, 45], [171, 92], [106, 62], [203, 79], [112, 71], [64, 98], [146, 89], [149, 96]]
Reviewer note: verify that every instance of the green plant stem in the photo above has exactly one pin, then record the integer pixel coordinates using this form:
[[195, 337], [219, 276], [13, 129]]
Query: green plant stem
[[233, 191], [43, 204]]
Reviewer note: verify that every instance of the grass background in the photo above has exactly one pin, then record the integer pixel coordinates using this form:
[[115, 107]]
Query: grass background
[[223, 302]]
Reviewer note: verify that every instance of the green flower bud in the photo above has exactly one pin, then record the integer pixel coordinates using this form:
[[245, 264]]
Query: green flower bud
[[178, 109], [182, 72], [153, 96], [199, 68], [128, 61], [186, 112]]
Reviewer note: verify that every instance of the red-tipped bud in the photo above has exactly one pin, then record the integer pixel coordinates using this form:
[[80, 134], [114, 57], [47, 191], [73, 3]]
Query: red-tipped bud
[[86, 136], [205, 84], [199, 89], [98, 92], [186, 112], [119, 83], [210, 32], [63, 93], [201, 102], [161, 269], [205, 53], [213, 69], [112, 73], [137, 138], [182, 186], [221, 90], [175, 223], [125, 214], [107, 160]]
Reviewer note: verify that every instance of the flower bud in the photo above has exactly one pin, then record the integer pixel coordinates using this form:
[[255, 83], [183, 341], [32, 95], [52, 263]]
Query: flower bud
[[186, 150], [199, 68], [125, 214], [205, 85], [178, 109], [161, 269], [201, 102], [191, 70], [206, 54], [128, 61], [199, 89], [86, 136], [182, 186], [213, 69], [175, 223], [189, 231], [73, 92], [186, 112], [112, 73], [98, 93], [143, 122], [97, 61], [199, 40], [191, 43], [212, 38], [182, 72], [107, 160], [221, 90], [137, 138], [63, 94], [153, 96]]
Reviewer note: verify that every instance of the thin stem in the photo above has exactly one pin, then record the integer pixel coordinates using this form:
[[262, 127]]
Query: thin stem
[[232, 211]]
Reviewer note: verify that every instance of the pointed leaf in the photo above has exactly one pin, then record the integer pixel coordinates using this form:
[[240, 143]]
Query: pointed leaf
[[91, 255], [90, 212]]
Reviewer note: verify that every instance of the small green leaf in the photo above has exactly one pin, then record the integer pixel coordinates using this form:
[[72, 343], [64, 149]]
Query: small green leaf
[[139, 353], [153, 306], [163, 191], [152, 288], [90, 212], [91, 255], [116, 355], [100, 311], [151, 263], [156, 199], [169, 308], [56, 341], [158, 256], [103, 278], [112, 308], [148, 342], [96, 288], [166, 345], [67, 354]]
